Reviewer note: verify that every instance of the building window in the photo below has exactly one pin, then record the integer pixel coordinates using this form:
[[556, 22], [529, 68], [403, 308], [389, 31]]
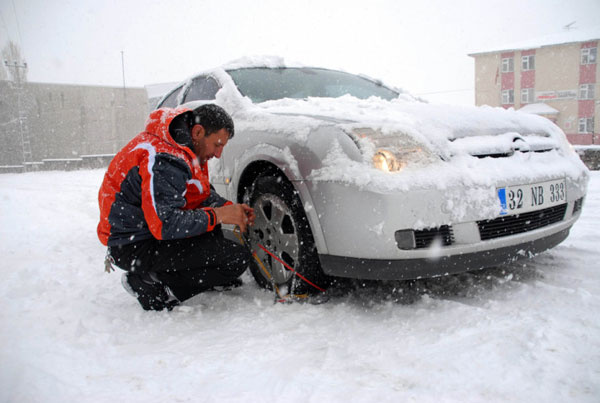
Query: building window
[[508, 97], [586, 125], [586, 91], [588, 55], [526, 95], [528, 62], [508, 65]]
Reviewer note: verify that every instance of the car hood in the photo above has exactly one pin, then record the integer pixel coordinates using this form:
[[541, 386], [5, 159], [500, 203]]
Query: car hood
[[445, 129]]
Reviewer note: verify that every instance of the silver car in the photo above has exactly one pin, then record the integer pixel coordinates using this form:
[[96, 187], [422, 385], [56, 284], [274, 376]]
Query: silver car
[[351, 178]]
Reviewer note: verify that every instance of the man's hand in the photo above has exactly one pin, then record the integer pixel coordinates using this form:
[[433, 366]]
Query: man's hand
[[241, 215]]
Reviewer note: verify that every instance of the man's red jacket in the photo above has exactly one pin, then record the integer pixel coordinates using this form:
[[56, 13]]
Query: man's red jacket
[[155, 188]]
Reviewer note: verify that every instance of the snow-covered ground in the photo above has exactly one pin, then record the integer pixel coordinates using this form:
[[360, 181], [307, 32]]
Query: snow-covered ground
[[529, 332]]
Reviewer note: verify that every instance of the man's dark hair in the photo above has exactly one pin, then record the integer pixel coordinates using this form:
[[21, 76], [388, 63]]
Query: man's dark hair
[[213, 118]]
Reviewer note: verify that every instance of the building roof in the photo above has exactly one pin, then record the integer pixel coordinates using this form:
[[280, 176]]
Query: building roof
[[572, 35]]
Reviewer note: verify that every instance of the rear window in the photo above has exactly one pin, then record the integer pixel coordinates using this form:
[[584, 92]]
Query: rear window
[[171, 100]]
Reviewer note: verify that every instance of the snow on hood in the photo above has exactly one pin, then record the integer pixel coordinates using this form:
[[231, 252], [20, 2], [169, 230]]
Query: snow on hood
[[436, 126], [445, 130]]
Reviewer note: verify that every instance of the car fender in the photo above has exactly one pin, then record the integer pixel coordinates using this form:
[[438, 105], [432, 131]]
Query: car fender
[[284, 160]]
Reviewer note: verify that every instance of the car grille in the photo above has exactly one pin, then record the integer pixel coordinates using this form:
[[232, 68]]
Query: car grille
[[517, 224], [508, 154], [425, 237]]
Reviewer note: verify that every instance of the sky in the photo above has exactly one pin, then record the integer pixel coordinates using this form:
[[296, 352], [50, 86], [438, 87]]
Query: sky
[[420, 46]]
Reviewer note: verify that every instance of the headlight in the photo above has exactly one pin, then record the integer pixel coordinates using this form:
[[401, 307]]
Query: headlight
[[392, 152], [386, 161]]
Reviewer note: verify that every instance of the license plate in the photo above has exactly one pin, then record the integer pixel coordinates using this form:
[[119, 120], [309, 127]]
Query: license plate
[[522, 198]]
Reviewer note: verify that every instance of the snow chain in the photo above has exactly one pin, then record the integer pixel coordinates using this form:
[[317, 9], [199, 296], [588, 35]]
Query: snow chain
[[288, 298]]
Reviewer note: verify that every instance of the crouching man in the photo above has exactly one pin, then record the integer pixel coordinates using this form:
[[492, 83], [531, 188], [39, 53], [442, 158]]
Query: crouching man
[[159, 215]]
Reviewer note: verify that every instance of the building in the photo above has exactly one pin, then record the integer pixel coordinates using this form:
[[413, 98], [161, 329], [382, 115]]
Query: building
[[556, 77], [47, 126]]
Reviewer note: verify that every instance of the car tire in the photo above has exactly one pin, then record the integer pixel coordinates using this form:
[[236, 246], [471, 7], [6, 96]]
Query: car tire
[[281, 227]]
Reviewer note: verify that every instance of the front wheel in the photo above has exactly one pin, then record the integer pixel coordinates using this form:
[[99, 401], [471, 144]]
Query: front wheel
[[282, 228]]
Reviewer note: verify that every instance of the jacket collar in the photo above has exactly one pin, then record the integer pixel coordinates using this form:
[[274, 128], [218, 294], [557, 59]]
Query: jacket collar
[[158, 124]]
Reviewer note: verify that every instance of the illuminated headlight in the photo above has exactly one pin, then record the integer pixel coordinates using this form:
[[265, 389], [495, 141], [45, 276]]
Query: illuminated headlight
[[392, 152], [394, 160], [386, 161]]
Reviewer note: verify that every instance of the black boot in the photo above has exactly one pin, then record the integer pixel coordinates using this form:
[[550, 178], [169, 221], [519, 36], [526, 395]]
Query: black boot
[[152, 295]]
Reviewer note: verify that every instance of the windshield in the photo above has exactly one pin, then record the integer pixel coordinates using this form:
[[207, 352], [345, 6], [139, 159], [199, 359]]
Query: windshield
[[265, 84]]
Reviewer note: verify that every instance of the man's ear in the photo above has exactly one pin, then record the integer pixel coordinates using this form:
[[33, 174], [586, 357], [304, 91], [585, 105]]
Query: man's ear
[[197, 132]]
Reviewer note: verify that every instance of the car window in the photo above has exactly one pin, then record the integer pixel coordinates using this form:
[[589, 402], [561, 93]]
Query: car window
[[202, 88], [264, 84], [171, 100]]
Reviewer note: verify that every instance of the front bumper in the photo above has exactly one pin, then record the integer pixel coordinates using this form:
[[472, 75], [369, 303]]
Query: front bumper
[[359, 229], [378, 269]]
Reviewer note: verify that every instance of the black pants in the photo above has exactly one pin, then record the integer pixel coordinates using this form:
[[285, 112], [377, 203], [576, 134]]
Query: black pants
[[187, 266]]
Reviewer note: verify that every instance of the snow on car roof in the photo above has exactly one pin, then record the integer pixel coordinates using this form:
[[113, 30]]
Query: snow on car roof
[[261, 61]]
